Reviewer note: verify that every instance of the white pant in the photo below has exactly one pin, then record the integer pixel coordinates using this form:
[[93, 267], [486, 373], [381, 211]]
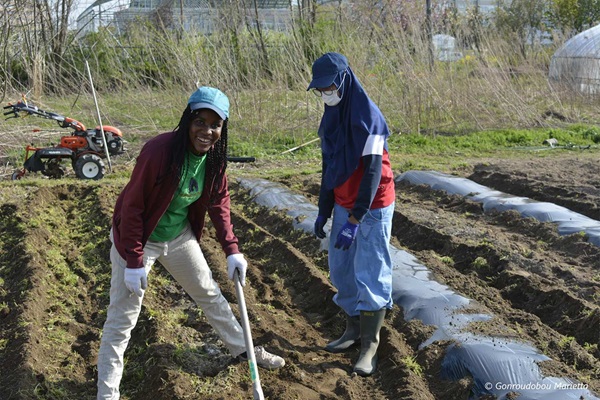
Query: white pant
[[184, 260]]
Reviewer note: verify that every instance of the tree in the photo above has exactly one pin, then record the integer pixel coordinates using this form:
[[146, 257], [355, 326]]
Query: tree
[[573, 16], [39, 31], [521, 20]]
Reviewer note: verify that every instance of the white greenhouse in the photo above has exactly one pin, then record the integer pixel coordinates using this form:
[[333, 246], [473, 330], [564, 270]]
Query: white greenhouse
[[191, 15], [577, 63]]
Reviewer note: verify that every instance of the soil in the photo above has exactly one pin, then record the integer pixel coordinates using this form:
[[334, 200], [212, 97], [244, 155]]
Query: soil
[[542, 289]]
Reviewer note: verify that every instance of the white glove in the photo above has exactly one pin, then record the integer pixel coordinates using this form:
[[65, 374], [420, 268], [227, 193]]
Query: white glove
[[237, 261], [136, 280]]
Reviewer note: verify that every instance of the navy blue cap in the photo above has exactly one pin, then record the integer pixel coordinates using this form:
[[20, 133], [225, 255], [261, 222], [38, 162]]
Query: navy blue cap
[[326, 68]]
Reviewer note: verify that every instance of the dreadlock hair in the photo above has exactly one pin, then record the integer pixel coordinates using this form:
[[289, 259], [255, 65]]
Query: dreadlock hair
[[216, 157]]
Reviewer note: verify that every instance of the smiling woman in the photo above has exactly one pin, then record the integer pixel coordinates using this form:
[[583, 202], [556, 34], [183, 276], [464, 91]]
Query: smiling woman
[[179, 177]]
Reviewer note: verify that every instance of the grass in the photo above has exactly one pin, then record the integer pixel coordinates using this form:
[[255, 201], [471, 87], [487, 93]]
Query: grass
[[493, 101], [266, 125]]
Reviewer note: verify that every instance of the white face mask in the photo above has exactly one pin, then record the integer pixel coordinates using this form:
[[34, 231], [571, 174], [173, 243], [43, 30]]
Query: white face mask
[[331, 99]]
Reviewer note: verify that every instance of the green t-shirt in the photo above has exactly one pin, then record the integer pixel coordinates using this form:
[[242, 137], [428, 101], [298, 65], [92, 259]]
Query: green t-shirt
[[174, 220]]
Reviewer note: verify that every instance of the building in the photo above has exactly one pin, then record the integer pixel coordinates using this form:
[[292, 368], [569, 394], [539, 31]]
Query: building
[[191, 15], [483, 6], [202, 15], [99, 13]]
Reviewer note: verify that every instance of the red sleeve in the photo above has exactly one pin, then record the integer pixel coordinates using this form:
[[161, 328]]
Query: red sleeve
[[133, 209], [220, 215]]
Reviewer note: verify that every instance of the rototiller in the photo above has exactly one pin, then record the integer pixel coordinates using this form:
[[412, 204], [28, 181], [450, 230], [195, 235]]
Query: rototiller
[[84, 148]]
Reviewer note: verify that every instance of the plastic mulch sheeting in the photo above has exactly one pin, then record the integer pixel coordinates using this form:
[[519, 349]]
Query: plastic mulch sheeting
[[498, 366], [568, 221]]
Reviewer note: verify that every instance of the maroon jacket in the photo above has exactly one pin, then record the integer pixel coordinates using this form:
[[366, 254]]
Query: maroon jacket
[[147, 196]]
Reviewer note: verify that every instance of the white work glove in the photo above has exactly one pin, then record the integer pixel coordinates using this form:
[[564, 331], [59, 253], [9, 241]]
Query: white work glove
[[136, 280], [237, 261]]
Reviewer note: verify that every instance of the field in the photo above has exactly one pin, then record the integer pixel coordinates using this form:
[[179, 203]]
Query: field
[[526, 294], [541, 289]]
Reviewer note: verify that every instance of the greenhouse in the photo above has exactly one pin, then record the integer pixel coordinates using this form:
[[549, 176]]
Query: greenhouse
[[192, 15], [577, 63]]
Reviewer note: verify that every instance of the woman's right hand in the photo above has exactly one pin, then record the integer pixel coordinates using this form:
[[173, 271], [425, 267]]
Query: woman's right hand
[[136, 280], [319, 224]]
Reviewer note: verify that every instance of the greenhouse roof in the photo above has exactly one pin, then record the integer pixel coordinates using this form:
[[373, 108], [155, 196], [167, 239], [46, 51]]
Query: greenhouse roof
[[249, 3], [192, 3], [583, 45]]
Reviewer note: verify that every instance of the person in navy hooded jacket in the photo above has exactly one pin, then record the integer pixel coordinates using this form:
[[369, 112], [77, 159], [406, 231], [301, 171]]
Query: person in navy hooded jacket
[[357, 188], [179, 178]]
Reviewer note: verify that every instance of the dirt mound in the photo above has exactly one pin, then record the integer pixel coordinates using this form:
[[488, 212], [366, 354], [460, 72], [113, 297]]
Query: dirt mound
[[542, 289]]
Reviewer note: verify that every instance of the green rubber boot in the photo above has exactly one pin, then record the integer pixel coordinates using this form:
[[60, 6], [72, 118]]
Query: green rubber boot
[[370, 325], [350, 336]]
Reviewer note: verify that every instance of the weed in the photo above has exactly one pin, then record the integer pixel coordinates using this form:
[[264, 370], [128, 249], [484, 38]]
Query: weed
[[268, 307], [592, 348], [175, 317], [412, 365], [486, 243], [565, 341], [447, 260], [479, 263]]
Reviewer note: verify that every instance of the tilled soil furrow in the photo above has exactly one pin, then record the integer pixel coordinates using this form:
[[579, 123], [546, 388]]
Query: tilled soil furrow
[[287, 282], [66, 286], [60, 242], [539, 287], [502, 270], [580, 197], [505, 258], [42, 315], [281, 260], [403, 376], [15, 374]]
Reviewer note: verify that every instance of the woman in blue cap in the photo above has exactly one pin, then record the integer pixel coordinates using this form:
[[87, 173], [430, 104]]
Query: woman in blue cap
[[179, 177], [357, 187]]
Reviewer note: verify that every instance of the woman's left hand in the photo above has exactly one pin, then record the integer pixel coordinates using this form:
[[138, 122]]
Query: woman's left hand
[[237, 261], [346, 236]]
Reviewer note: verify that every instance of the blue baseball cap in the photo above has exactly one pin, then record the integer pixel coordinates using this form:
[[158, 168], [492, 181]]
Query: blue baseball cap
[[326, 68], [212, 98]]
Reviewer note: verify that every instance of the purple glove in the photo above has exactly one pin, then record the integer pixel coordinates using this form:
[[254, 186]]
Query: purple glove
[[346, 236], [319, 224]]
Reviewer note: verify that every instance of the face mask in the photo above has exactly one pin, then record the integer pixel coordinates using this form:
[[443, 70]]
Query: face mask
[[331, 99]]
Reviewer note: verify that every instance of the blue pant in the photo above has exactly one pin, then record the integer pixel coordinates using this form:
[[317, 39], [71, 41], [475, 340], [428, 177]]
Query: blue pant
[[362, 274]]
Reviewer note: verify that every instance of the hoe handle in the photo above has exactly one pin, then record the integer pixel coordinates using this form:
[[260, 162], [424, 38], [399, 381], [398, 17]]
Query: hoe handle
[[256, 388]]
